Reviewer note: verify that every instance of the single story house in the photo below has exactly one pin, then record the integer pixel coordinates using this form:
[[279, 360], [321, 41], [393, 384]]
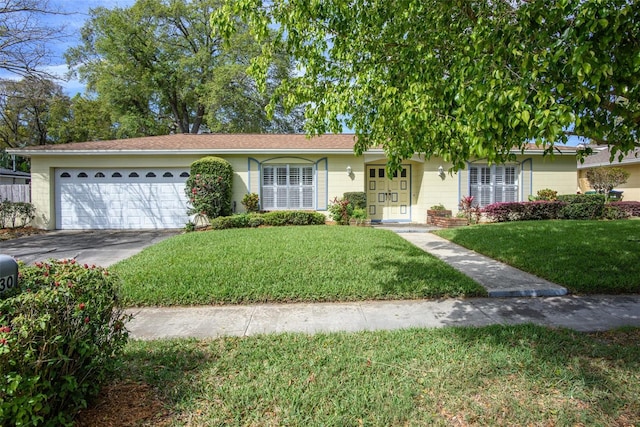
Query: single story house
[[602, 157], [139, 183]]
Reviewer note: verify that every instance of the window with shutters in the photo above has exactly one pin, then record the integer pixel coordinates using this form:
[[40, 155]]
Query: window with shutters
[[493, 184], [288, 187]]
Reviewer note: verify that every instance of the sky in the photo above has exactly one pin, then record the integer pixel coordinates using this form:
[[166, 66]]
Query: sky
[[76, 14]]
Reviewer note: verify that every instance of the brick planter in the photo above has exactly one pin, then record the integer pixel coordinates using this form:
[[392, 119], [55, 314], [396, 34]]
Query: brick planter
[[449, 222], [432, 215]]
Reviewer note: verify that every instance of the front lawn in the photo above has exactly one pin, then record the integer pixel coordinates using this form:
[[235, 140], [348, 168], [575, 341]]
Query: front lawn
[[584, 256], [498, 375], [282, 264]]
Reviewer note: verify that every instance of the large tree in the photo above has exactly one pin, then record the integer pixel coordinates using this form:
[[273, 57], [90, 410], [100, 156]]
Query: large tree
[[159, 68], [27, 109], [456, 78]]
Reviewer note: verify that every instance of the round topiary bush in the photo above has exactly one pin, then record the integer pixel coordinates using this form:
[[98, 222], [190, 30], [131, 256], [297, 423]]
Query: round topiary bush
[[209, 188]]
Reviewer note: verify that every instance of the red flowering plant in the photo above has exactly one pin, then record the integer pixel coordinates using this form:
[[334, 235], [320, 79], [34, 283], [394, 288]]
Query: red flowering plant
[[469, 209], [59, 332], [340, 210]]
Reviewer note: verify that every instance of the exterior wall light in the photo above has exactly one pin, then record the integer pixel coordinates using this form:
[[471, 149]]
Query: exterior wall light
[[441, 173], [349, 170]]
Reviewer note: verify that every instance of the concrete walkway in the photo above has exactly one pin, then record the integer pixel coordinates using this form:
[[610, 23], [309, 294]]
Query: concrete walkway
[[590, 313]]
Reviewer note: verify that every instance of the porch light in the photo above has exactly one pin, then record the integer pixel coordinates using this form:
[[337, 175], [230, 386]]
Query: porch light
[[441, 172], [348, 170]]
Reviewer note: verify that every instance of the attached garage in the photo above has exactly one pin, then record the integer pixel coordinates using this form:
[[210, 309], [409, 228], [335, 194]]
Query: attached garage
[[120, 198]]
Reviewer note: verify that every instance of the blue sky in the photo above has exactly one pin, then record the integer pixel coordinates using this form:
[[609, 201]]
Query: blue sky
[[76, 14]]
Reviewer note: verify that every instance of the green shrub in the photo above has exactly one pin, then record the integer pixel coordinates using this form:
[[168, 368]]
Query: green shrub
[[278, 218], [274, 219], [59, 332], [251, 202], [582, 206], [16, 214], [615, 212], [209, 187], [358, 199], [547, 194], [340, 210], [632, 208]]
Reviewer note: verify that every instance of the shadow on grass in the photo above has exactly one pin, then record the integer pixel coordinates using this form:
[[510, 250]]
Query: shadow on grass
[[593, 382], [412, 272]]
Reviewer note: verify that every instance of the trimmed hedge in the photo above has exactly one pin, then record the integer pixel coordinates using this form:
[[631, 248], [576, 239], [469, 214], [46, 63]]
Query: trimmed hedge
[[60, 331], [570, 206], [358, 199], [274, 219], [631, 208], [523, 211], [582, 206]]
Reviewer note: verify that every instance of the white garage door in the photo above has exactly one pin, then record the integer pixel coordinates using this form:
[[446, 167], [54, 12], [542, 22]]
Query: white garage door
[[120, 198]]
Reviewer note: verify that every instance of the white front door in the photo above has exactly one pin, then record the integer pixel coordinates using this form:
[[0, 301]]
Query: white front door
[[120, 198], [388, 197]]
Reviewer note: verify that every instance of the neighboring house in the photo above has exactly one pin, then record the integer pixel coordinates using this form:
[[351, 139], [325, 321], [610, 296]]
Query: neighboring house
[[602, 157], [139, 182], [8, 176], [14, 186]]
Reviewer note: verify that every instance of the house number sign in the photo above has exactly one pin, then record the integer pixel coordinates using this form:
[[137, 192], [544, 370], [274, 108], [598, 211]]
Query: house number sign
[[8, 273]]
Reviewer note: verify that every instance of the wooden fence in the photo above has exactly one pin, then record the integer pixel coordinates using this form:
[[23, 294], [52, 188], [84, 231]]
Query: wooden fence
[[15, 192]]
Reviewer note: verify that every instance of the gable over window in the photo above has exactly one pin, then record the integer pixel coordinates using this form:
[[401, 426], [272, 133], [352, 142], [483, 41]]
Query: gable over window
[[288, 187], [493, 184]]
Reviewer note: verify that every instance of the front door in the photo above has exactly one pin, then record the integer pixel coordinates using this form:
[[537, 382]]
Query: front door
[[388, 197]]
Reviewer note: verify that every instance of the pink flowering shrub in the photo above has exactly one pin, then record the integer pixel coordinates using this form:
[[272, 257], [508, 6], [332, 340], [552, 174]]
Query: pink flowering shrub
[[60, 331]]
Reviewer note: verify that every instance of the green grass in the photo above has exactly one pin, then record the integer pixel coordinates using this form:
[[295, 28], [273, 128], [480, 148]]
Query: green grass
[[498, 375], [584, 256], [283, 264]]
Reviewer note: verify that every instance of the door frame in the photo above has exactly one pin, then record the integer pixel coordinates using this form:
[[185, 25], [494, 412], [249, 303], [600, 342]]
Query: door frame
[[402, 217]]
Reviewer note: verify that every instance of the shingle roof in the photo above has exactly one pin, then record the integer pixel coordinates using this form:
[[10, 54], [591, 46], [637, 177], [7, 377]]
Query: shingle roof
[[603, 155], [218, 143], [206, 142]]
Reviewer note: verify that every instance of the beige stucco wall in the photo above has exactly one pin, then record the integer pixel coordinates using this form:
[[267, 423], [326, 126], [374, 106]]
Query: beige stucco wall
[[427, 188], [631, 189]]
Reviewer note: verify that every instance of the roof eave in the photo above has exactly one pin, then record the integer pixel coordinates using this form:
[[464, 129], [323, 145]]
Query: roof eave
[[30, 153]]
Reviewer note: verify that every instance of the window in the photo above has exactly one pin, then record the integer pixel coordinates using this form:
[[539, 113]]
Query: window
[[493, 184], [288, 187]]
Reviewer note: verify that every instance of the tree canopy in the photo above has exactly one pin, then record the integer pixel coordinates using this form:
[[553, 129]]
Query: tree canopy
[[455, 78], [159, 67]]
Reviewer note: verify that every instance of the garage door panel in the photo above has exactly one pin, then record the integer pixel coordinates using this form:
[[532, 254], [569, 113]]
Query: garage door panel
[[120, 199]]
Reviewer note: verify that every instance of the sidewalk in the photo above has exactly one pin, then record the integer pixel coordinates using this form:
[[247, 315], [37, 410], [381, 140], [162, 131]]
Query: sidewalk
[[591, 313], [556, 309]]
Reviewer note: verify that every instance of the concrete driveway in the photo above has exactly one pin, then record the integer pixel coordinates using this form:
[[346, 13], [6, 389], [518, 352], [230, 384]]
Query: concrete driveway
[[99, 247]]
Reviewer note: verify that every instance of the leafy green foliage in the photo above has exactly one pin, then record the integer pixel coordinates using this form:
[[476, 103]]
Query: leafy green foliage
[[547, 194], [632, 208], [278, 218], [209, 187], [340, 210], [58, 334], [157, 67], [582, 206], [457, 80], [16, 214], [251, 202], [605, 179], [358, 199], [523, 211]]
